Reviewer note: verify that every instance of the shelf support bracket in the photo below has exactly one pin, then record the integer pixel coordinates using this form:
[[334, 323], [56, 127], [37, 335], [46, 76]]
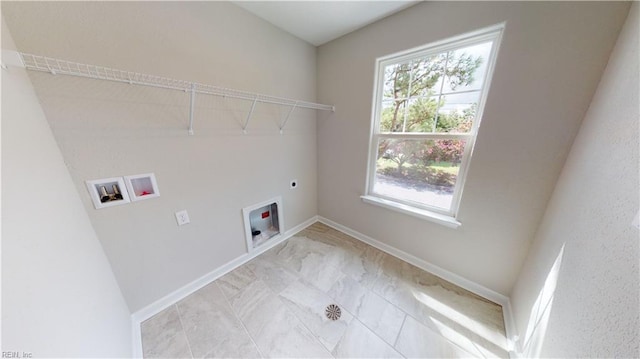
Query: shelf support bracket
[[52, 71], [246, 123], [287, 118], [191, 108]]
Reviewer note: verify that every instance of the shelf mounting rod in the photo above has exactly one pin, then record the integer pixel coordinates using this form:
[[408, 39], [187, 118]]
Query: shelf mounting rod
[[191, 108], [287, 118], [246, 123]]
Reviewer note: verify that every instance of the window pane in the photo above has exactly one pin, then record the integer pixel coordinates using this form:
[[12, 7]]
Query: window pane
[[396, 81], [457, 112], [426, 75], [421, 114], [420, 171], [466, 68], [392, 117]]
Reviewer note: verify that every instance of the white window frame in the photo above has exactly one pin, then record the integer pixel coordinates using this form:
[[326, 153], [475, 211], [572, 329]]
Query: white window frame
[[432, 213]]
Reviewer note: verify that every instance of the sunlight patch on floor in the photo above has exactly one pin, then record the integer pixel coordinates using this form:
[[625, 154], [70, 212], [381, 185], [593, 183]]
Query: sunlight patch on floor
[[465, 321]]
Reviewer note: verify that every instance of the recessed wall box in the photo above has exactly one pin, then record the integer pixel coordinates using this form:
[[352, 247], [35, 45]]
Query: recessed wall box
[[142, 186], [263, 222], [108, 192]]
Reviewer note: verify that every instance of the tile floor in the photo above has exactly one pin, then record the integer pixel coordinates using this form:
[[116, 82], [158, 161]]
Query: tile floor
[[273, 306]]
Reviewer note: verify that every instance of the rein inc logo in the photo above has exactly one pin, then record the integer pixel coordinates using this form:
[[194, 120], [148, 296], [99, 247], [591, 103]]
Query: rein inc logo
[[17, 355]]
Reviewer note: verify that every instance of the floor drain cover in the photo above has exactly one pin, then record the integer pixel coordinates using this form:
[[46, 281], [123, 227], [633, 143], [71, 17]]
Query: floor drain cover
[[333, 312]]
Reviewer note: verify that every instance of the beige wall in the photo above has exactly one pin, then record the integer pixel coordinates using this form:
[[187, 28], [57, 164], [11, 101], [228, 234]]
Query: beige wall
[[108, 129], [550, 61], [59, 295], [593, 308]]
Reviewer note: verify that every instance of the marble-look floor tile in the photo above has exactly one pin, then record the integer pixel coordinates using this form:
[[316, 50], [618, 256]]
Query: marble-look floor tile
[[316, 262], [210, 331], [211, 326], [401, 293], [252, 305], [426, 285], [382, 317], [472, 343], [365, 267], [314, 228], [345, 238], [274, 328], [176, 347], [309, 304], [431, 299], [467, 304], [476, 319], [272, 253], [322, 278], [360, 342], [231, 283], [303, 251], [348, 293], [274, 275], [343, 246], [418, 341], [229, 348], [395, 268], [163, 336]]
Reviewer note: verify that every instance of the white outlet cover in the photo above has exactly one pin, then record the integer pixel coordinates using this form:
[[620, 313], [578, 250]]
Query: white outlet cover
[[636, 221], [182, 217]]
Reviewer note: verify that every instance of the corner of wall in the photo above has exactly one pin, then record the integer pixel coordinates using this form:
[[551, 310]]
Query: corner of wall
[[582, 267], [53, 266]]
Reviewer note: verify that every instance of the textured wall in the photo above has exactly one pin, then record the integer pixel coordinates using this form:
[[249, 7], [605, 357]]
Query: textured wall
[[59, 295], [108, 129], [593, 310], [551, 58]]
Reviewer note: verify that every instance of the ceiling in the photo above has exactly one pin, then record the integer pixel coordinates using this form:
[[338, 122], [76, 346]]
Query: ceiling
[[319, 22]]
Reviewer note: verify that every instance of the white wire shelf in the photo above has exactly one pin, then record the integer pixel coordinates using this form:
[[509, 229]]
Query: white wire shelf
[[63, 67]]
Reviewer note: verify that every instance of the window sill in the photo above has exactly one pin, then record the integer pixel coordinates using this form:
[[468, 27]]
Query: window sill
[[442, 219]]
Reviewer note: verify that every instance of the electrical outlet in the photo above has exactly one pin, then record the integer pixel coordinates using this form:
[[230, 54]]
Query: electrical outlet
[[293, 184], [182, 217]]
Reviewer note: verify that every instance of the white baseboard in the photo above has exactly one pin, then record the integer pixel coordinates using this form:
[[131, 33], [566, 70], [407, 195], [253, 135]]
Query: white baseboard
[[161, 304], [136, 338], [510, 329]]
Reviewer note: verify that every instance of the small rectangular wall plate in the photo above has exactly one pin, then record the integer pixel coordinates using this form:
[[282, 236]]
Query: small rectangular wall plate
[[182, 217], [142, 186], [96, 192]]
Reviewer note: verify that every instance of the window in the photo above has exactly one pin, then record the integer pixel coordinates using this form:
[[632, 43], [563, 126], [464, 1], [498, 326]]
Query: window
[[427, 108]]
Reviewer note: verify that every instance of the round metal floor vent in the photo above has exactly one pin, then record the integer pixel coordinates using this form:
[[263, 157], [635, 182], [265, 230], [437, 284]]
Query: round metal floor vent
[[333, 312]]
